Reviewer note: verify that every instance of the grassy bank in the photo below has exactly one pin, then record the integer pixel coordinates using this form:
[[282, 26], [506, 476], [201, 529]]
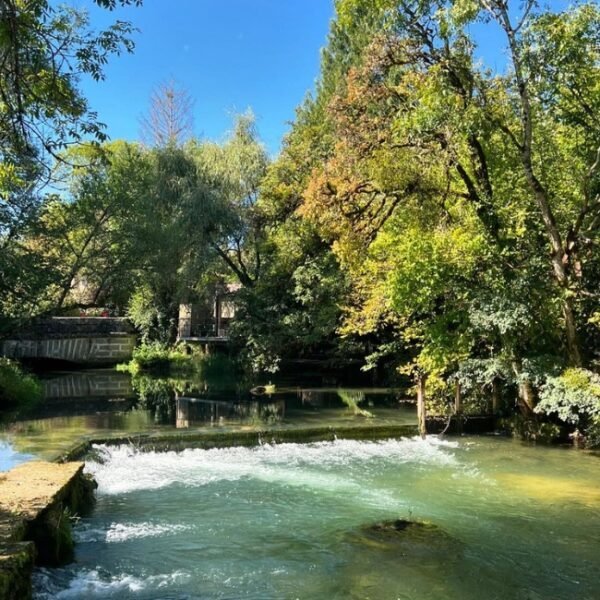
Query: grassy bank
[[160, 359]]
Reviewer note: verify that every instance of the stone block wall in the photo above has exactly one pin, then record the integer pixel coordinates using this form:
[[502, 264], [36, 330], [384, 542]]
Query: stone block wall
[[109, 349]]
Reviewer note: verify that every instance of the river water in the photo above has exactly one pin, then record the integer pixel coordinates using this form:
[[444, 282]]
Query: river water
[[505, 520], [105, 403], [508, 521]]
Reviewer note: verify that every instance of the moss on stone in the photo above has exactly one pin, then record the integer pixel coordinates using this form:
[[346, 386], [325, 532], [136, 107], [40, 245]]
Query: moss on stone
[[53, 537], [16, 565], [178, 440]]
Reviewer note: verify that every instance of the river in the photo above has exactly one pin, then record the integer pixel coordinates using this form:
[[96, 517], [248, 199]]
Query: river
[[503, 519]]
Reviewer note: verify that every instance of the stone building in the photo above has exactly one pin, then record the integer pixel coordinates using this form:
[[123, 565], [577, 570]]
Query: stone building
[[210, 319]]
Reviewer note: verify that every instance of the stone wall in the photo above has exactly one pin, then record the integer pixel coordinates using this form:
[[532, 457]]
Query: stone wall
[[110, 349], [82, 340], [62, 327]]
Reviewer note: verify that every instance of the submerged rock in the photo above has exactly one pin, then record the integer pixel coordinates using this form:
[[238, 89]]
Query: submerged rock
[[398, 525], [417, 539]]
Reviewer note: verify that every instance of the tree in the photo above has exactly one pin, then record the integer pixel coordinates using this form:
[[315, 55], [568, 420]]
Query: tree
[[170, 118], [450, 229], [87, 235], [234, 170], [43, 52]]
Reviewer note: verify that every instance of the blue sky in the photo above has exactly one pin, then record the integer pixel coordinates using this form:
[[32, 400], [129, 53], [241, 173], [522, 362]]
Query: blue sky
[[229, 54]]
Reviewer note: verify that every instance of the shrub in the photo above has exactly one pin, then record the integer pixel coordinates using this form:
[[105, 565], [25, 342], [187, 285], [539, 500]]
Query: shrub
[[158, 357], [574, 396], [16, 386]]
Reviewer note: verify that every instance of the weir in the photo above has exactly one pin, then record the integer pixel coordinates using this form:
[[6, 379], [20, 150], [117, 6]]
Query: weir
[[37, 500]]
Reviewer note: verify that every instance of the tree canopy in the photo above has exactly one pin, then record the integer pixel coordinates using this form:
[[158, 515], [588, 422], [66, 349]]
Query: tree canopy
[[427, 213]]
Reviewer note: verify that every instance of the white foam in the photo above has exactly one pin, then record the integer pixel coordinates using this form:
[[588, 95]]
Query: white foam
[[93, 583], [122, 532], [124, 469]]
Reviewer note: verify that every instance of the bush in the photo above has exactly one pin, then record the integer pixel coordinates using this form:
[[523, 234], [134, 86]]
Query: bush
[[574, 397], [16, 386], [158, 357]]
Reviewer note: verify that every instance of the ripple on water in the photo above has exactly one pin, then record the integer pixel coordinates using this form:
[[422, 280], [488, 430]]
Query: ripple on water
[[97, 583], [122, 532]]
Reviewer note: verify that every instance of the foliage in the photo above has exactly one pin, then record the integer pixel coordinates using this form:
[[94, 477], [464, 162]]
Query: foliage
[[17, 387], [462, 203], [157, 357], [574, 396], [234, 171], [44, 49]]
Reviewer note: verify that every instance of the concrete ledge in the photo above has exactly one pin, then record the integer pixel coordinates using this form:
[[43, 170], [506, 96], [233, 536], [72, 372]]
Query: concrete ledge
[[36, 500]]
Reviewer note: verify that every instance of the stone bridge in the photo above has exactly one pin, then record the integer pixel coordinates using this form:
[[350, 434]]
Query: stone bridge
[[89, 341]]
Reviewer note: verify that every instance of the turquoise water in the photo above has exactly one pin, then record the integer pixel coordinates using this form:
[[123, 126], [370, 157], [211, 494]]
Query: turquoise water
[[9, 457], [290, 521]]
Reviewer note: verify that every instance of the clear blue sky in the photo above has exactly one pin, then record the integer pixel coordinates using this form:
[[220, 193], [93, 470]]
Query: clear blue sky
[[229, 54]]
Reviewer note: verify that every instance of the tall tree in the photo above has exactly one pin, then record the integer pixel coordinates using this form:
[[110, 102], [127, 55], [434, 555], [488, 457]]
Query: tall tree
[[235, 170], [463, 203], [170, 117]]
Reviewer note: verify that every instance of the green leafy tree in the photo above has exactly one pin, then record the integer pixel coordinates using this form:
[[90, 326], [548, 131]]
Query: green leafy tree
[[455, 196], [44, 50]]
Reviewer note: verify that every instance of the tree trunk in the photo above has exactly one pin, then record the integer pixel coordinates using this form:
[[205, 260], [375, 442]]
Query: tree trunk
[[526, 398], [458, 399], [495, 397], [421, 405], [573, 354]]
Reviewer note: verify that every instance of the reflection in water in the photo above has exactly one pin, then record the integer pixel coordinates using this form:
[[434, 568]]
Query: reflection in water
[[87, 384], [190, 411], [9, 457], [102, 403]]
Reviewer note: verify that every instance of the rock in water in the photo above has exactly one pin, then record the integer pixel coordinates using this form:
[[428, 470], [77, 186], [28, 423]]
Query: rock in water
[[411, 540]]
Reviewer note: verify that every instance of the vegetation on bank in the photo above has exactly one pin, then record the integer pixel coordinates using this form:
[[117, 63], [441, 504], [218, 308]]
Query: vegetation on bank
[[177, 360], [17, 387], [160, 358], [430, 215]]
